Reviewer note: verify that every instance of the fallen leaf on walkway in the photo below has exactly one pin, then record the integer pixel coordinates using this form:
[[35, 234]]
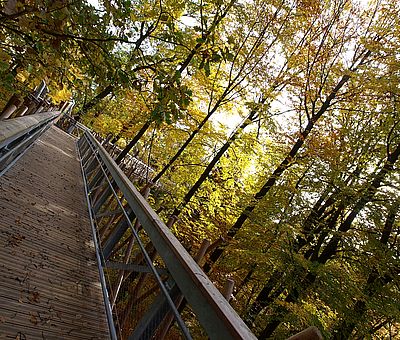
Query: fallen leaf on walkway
[[15, 240], [34, 297], [33, 319], [20, 336]]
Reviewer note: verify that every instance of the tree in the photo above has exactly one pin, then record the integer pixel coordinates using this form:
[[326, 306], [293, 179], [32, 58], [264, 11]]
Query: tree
[[270, 127], [45, 41], [376, 280], [172, 97], [312, 115]]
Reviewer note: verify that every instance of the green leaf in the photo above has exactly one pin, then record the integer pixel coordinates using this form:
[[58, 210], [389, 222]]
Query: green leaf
[[177, 76], [231, 40], [3, 66], [230, 56], [216, 57], [207, 68]]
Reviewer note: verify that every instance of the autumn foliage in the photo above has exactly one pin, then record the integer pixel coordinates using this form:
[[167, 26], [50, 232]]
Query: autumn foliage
[[295, 106]]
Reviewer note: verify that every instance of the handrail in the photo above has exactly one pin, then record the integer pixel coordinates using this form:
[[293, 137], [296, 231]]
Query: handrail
[[129, 161], [11, 129], [18, 134], [216, 316]]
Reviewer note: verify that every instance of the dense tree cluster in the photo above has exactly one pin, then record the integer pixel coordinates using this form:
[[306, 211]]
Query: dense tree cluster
[[272, 126]]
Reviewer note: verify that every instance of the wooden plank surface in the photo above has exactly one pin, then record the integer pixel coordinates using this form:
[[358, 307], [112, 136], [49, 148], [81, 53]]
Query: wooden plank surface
[[49, 283]]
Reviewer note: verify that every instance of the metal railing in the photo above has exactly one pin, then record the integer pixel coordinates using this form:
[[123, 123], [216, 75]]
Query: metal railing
[[137, 255], [135, 165], [132, 166], [152, 287], [18, 134]]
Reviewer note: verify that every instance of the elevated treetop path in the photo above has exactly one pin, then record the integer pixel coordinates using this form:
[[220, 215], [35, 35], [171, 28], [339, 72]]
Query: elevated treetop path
[[83, 255]]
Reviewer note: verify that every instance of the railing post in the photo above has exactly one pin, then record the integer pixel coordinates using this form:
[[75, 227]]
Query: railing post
[[166, 324], [71, 127], [116, 235], [32, 105], [228, 289], [10, 107], [128, 252], [149, 323], [22, 109]]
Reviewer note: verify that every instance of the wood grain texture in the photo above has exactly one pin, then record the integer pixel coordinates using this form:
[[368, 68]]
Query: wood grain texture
[[49, 283]]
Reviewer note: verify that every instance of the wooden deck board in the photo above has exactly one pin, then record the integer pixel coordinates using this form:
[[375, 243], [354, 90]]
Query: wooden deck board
[[49, 283]]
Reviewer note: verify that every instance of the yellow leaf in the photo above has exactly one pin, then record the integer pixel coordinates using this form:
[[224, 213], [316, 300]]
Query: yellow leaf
[[60, 95]]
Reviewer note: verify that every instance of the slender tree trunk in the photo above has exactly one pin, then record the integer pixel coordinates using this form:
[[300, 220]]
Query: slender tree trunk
[[133, 142], [246, 279], [184, 146], [285, 163], [206, 35], [85, 108], [316, 217], [263, 298], [272, 289], [374, 283], [124, 129], [182, 67], [283, 166], [252, 115], [331, 248]]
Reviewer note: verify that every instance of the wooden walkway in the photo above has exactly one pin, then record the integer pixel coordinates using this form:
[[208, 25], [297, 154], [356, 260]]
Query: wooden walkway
[[49, 285]]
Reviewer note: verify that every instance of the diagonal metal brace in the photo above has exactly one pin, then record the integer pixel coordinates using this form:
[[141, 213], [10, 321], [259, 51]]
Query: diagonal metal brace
[[134, 268]]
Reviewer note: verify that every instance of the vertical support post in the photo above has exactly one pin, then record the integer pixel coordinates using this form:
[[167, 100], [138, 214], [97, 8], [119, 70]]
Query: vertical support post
[[116, 235], [128, 253], [228, 289], [40, 89], [167, 322], [10, 107], [22, 109], [147, 326], [310, 333], [34, 103]]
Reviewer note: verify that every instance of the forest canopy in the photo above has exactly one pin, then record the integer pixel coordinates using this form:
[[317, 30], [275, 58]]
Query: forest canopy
[[271, 127]]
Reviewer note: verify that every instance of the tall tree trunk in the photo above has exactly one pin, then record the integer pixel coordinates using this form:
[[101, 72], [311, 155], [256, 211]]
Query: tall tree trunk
[[250, 118], [374, 284], [124, 129], [133, 142], [316, 217], [331, 248], [217, 20], [284, 165], [85, 108], [183, 66], [184, 146]]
